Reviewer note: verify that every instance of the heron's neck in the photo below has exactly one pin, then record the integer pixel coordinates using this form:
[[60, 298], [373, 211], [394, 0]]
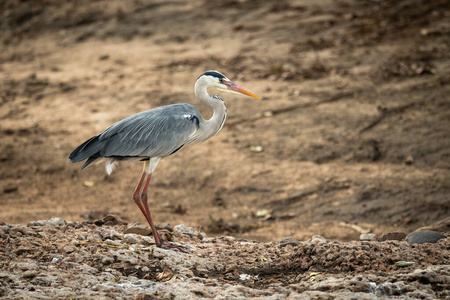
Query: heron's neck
[[212, 126]]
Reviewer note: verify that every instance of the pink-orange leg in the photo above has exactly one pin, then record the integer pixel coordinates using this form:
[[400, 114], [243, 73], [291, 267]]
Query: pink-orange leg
[[141, 201]]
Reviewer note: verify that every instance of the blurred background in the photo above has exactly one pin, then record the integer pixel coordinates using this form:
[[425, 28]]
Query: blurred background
[[351, 136]]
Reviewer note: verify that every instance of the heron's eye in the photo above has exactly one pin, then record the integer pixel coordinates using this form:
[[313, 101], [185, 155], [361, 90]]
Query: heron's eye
[[221, 80]]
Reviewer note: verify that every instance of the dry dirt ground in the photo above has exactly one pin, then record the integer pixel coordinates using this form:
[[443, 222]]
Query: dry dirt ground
[[351, 136]]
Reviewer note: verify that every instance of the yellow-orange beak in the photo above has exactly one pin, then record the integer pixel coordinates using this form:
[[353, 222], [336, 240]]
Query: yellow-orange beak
[[236, 88]]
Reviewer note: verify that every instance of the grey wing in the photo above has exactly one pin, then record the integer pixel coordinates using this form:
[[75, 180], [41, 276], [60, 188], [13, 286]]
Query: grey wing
[[157, 132]]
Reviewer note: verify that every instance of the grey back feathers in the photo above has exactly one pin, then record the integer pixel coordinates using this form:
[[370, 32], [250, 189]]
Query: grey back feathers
[[157, 132]]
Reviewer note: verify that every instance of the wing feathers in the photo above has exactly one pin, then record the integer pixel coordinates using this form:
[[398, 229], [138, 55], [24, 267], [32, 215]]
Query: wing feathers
[[157, 132]]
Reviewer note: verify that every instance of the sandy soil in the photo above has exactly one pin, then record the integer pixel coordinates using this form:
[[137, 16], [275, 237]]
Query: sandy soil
[[353, 126]]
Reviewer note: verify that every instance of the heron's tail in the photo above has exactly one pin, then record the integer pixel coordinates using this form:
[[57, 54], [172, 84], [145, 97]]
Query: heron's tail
[[89, 149]]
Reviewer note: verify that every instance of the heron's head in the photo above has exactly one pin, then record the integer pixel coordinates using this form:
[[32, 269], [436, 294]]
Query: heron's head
[[219, 81]]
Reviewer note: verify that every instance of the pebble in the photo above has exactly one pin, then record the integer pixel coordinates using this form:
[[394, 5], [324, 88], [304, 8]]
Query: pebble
[[46, 279], [245, 277], [69, 249], [114, 243], [164, 226], [30, 274], [392, 236], [424, 236], [110, 220], [130, 238], [26, 266], [389, 289], [111, 234], [36, 223], [403, 263], [183, 229], [22, 229], [138, 229], [87, 269], [147, 240], [368, 237], [131, 260], [55, 260], [52, 222], [107, 260], [288, 241], [57, 222], [317, 239]]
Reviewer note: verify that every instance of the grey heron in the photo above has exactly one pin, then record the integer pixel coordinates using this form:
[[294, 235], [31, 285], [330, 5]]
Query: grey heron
[[153, 134]]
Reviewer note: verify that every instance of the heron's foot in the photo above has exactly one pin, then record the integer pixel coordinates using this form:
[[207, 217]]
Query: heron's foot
[[169, 245]]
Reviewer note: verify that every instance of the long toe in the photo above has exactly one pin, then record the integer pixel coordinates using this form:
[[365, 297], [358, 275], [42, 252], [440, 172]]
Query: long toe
[[169, 245]]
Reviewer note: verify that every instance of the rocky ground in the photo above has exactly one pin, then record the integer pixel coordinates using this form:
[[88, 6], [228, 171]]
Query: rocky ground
[[55, 259], [351, 138]]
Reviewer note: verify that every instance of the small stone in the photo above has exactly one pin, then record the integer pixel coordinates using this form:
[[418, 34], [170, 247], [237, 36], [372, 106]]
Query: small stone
[[288, 241], [183, 229], [424, 236], [47, 280], [97, 287], [263, 213], [131, 260], [55, 260], [113, 235], [403, 264], [30, 274], [57, 222], [245, 277], [368, 237], [130, 238], [20, 229], [392, 236], [88, 269], [164, 226], [89, 183], [69, 249], [106, 260], [268, 114], [113, 220], [26, 266], [36, 223], [256, 149], [317, 239], [138, 229], [114, 243], [148, 240]]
